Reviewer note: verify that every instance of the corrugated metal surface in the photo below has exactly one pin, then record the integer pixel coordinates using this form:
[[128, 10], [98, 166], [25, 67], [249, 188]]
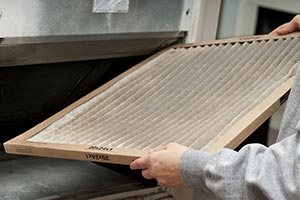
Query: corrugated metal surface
[[189, 95], [33, 18]]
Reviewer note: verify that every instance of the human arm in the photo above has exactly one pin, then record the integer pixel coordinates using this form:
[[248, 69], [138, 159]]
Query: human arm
[[254, 172]]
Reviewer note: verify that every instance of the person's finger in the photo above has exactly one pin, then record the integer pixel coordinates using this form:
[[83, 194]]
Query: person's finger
[[158, 149], [146, 174], [290, 27], [172, 145], [140, 163], [273, 33], [294, 25], [287, 28], [276, 31]]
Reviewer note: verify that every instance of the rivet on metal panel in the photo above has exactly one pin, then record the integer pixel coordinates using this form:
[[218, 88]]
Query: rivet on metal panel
[[187, 11]]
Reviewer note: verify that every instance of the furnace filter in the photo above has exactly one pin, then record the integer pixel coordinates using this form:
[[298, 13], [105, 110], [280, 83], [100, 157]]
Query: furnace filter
[[195, 95]]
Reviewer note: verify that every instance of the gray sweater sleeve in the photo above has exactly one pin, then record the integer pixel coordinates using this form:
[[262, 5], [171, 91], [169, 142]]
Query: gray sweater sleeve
[[254, 172]]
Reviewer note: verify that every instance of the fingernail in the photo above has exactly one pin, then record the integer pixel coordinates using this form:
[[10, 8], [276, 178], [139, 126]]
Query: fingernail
[[132, 166]]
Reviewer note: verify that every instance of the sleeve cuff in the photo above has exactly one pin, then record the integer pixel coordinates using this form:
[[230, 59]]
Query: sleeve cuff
[[192, 167]]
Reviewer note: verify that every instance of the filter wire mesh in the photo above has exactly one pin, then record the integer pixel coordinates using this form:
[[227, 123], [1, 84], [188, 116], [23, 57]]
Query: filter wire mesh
[[190, 96]]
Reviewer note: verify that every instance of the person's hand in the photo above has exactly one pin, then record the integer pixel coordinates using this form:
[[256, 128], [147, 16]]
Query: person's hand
[[290, 27], [162, 164]]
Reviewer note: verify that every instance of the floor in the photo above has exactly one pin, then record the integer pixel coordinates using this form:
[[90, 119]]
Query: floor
[[34, 178]]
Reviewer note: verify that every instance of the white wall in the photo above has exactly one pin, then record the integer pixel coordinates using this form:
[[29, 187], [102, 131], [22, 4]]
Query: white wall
[[238, 17], [200, 19]]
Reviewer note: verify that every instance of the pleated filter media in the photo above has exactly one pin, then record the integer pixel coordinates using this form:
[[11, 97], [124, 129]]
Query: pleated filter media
[[189, 94]]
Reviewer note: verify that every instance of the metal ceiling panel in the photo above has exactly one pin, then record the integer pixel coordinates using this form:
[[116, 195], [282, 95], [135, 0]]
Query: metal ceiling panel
[[205, 96]]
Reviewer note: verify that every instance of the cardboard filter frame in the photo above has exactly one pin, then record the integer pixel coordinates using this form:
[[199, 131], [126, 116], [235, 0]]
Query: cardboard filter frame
[[232, 138]]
